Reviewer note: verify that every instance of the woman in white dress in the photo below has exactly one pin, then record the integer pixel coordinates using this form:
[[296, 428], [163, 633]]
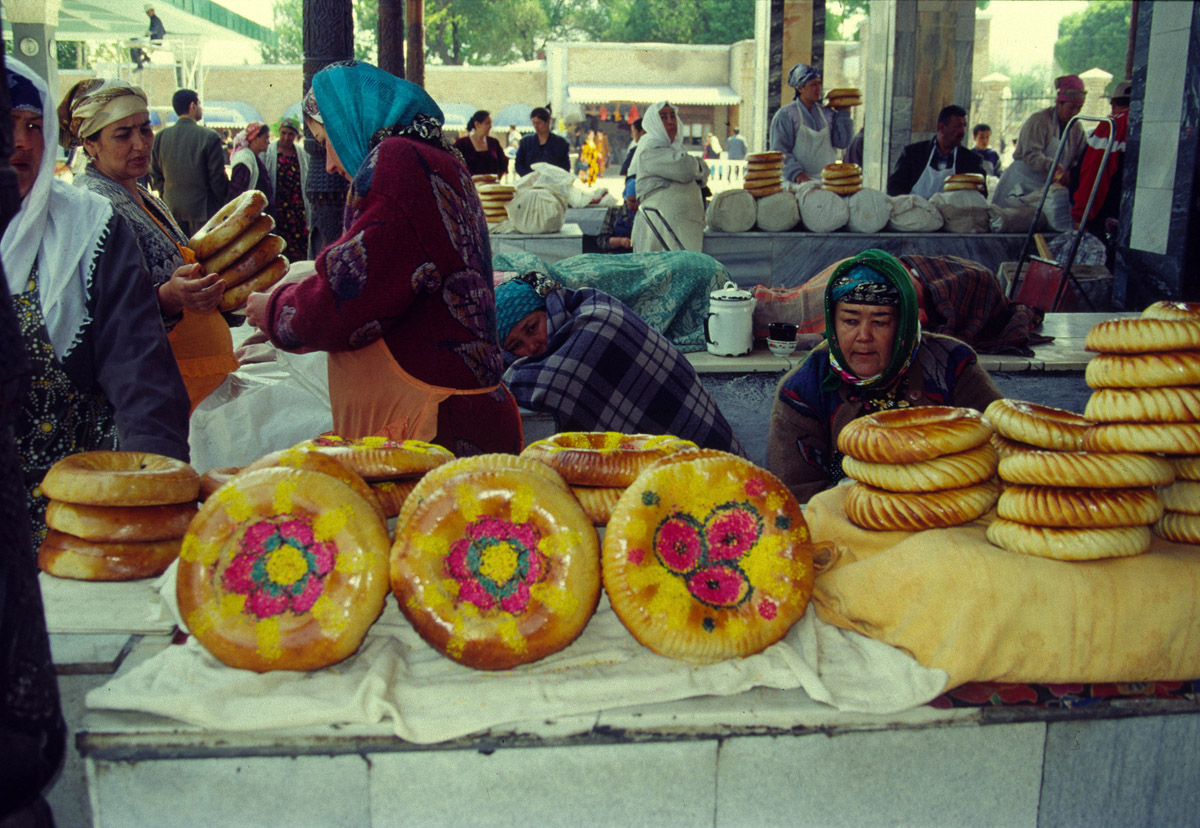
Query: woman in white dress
[[669, 180]]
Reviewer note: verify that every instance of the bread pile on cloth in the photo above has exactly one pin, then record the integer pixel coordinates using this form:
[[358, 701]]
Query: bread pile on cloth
[[1146, 398], [764, 174], [965, 181], [983, 613], [116, 515], [731, 211], [495, 198], [484, 178], [1063, 501], [843, 179], [821, 211], [843, 96], [598, 466], [918, 468], [237, 244]]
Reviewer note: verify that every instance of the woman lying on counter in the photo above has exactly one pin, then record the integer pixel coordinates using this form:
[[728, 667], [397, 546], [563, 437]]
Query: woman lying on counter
[[874, 357], [595, 365]]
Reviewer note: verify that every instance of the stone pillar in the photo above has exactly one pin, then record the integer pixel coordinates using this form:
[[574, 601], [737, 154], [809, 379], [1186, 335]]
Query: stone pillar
[[797, 36], [990, 105], [1095, 81], [33, 24], [328, 32]]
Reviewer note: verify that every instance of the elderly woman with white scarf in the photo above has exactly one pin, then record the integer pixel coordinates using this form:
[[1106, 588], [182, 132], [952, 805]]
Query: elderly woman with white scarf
[[104, 375], [670, 203]]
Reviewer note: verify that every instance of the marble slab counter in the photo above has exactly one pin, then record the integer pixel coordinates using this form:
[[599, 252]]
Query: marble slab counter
[[550, 247]]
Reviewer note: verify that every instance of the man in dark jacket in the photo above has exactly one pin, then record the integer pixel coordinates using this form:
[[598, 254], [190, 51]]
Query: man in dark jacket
[[924, 166], [187, 165]]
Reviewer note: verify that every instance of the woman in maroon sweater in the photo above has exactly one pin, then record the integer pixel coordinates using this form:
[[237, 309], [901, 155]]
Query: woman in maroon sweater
[[403, 300]]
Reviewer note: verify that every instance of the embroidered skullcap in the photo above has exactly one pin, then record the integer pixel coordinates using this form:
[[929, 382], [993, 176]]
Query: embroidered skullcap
[[515, 299], [289, 123], [861, 285], [92, 104]]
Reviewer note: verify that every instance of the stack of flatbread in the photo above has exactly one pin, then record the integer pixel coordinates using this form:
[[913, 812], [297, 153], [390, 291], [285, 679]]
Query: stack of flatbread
[[843, 97], [764, 173], [495, 197], [965, 181], [843, 179], [238, 245], [485, 178]]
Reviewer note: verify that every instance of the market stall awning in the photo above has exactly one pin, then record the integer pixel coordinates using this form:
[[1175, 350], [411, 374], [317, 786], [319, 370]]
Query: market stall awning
[[585, 93], [103, 21], [514, 114]]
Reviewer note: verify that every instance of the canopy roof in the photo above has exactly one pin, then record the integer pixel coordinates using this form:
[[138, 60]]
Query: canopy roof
[[585, 93], [100, 21]]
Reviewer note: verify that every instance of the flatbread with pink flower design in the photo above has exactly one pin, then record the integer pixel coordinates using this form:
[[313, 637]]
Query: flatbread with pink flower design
[[283, 569], [707, 558], [497, 567]]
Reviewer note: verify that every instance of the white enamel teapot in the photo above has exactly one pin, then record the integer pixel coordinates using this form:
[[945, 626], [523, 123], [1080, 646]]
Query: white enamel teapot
[[729, 326]]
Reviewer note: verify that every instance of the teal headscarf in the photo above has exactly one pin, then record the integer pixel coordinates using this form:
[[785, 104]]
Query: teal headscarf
[[356, 100], [873, 273], [515, 299]]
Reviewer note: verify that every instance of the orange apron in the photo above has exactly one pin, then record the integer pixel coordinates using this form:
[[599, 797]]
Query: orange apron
[[201, 342], [371, 395]]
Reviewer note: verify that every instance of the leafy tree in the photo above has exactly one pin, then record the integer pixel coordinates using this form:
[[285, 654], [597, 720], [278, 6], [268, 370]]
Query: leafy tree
[[1098, 36], [841, 14], [289, 31]]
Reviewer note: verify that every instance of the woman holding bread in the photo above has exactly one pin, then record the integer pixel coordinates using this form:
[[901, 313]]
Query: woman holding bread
[[403, 300], [110, 120], [669, 186], [806, 132], [103, 373], [875, 356]]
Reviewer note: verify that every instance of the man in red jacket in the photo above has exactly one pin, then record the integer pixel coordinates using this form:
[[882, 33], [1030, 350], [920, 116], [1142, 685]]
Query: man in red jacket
[[1107, 179]]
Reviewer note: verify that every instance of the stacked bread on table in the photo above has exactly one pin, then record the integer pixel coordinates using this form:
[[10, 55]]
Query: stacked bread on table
[[237, 244], [965, 181], [1146, 398], [764, 174], [918, 468], [1062, 501], [484, 178], [840, 178], [116, 515], [843, 97], [495, 198]]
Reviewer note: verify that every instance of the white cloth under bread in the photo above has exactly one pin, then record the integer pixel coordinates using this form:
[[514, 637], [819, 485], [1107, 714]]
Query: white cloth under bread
[[777, 213]]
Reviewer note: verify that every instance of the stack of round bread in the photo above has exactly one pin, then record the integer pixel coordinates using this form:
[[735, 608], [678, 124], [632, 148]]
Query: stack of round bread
[[764, 174], [116, 515], [1063, 502], [237, 244], [1146, 398], [843, 97], [495, 197], [599, 465], [494, 562], [285, 567], [965, 181], [843, 179], [918, 468], [485, 178], [391, 468]]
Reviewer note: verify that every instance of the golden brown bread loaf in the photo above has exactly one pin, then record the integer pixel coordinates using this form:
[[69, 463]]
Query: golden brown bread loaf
[[378, 458], [1037, 425], [1186, 467], [1164, 438], [1143, 370], [873, 508], [391, 494], [235, 297], [1166, 309], [1079, 508], [603, 458], [951, 471], [1069, 544], [231, 221], [905, 435], [121, 478], [214, 479], [302, 458], [1182, 496], [240, 246], [598, 501], [1144, 405], [123, 524], [1179, 527], [66, 556], [1005, 446], [1089, 470], [1140, 336]]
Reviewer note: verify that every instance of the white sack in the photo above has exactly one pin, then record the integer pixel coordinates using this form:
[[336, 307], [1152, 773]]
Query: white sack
[[731, 211], [913, 214], [820, 210], [1056, 210], [964, 211], [777, 213], [537, 210], [869, 211]]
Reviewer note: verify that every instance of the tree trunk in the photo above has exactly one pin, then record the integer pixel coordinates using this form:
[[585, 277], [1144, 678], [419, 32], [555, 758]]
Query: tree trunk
[[415, 17], [391, 37]]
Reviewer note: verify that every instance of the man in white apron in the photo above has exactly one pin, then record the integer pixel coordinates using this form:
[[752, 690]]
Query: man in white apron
[[808, 133], [924, 166], [1038, 143]]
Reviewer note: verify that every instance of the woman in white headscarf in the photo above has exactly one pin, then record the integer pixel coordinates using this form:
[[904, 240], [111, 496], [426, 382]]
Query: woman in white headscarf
[[670, 204], [104, 375]]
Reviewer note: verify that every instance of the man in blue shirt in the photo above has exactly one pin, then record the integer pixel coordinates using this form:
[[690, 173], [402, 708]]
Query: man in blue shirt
[[982, 133]]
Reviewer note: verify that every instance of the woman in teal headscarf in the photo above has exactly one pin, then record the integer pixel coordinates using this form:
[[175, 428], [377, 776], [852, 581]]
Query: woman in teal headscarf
[[875, 356], [403, 300]]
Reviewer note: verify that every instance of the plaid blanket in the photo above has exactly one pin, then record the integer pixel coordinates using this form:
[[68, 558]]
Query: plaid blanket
[[605, 369]]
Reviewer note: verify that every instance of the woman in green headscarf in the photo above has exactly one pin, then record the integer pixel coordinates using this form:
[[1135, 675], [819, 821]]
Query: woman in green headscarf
[[875, 356]]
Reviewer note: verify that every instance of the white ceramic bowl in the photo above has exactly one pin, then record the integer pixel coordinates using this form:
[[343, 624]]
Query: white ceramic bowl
[[781, 347]]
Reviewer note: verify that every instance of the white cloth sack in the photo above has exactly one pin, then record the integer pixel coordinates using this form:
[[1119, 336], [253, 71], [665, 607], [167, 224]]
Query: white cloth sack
[[776, 213], [537, 210], [820, 210], [1009, 219], [870, 211], [128, 607], [913, 214], [731, 211], [1056, 210], [964, 211]]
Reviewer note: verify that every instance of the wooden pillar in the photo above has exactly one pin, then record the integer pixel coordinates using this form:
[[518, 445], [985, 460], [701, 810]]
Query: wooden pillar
[[415, 18], [391, 37], [797, 36], [328, 30]]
